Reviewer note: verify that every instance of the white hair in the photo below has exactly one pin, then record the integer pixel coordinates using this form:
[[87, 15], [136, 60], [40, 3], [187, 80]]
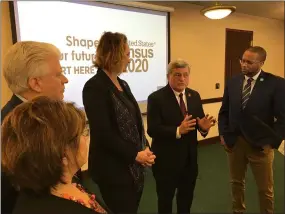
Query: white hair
[[178, 63], [27, 59]]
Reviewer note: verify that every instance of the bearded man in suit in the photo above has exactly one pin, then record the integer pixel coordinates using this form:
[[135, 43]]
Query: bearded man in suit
[[251, 125]]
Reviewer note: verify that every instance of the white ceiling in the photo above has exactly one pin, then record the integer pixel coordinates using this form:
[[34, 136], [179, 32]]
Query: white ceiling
[[267, 9]]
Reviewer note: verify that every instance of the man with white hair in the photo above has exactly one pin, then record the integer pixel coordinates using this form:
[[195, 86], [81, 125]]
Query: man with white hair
[[31, 69]]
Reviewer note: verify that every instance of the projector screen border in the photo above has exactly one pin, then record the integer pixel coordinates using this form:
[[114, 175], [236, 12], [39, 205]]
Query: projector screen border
[[141, 5], [13, 21]]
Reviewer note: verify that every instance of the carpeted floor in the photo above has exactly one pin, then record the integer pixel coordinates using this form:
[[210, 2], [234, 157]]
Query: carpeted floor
[[212, 194]]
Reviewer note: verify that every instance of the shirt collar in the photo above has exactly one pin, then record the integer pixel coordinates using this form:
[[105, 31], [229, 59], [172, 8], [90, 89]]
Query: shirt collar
[[21, 98], [177, 93], [254, 77]]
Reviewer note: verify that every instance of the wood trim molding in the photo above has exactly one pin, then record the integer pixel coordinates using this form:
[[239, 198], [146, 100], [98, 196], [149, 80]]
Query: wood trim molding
[[212, 100], [142, 5], [13, 21], [237, 30], [205, 101]]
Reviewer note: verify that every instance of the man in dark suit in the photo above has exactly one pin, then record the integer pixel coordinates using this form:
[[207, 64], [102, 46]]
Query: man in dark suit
[[173, 118], [251, 125], [31, 69]]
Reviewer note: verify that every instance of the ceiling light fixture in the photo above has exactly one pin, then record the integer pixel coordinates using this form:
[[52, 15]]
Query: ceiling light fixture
[[218, 11]]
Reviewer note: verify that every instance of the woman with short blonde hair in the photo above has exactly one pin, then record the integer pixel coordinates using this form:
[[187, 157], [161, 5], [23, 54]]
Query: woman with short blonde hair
[[118, 148], [110, 51]]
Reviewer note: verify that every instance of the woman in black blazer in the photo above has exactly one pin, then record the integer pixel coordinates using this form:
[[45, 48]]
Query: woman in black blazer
[[44, 143], [118, 149]]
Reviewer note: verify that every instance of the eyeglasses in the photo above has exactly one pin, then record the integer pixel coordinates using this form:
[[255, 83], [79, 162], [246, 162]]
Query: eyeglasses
[[243, 61], [178, 75]]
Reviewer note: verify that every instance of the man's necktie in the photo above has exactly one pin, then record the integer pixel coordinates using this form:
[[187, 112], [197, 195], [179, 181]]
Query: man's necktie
[[246, 93], [182, 105]]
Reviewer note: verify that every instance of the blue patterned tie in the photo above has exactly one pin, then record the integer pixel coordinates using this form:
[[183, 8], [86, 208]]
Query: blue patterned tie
[[246, 93]]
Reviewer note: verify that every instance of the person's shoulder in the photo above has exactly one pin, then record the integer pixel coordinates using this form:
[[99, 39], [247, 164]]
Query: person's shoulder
[[274, 81], [191, 92], [27, 203], [32, 204], [9, 106], [273, 77], [235, 78], [95, 81], [5, 110], [158, 93]]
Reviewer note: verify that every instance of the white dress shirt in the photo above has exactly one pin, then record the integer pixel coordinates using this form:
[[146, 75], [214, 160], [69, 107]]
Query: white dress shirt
[[253, 81], [21, 98], [178, 136]]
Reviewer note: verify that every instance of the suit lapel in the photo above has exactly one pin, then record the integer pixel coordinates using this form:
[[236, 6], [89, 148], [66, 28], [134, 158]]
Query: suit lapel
[[238, 88], [130, 95], [113, 88], [125, 90], [257, 88], [189, 101], [135, 103], [173, 104]]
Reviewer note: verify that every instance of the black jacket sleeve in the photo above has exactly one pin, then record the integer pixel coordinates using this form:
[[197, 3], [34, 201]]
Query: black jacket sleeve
[[201, 114], [223, 119], [155, 126], [279, 110]]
